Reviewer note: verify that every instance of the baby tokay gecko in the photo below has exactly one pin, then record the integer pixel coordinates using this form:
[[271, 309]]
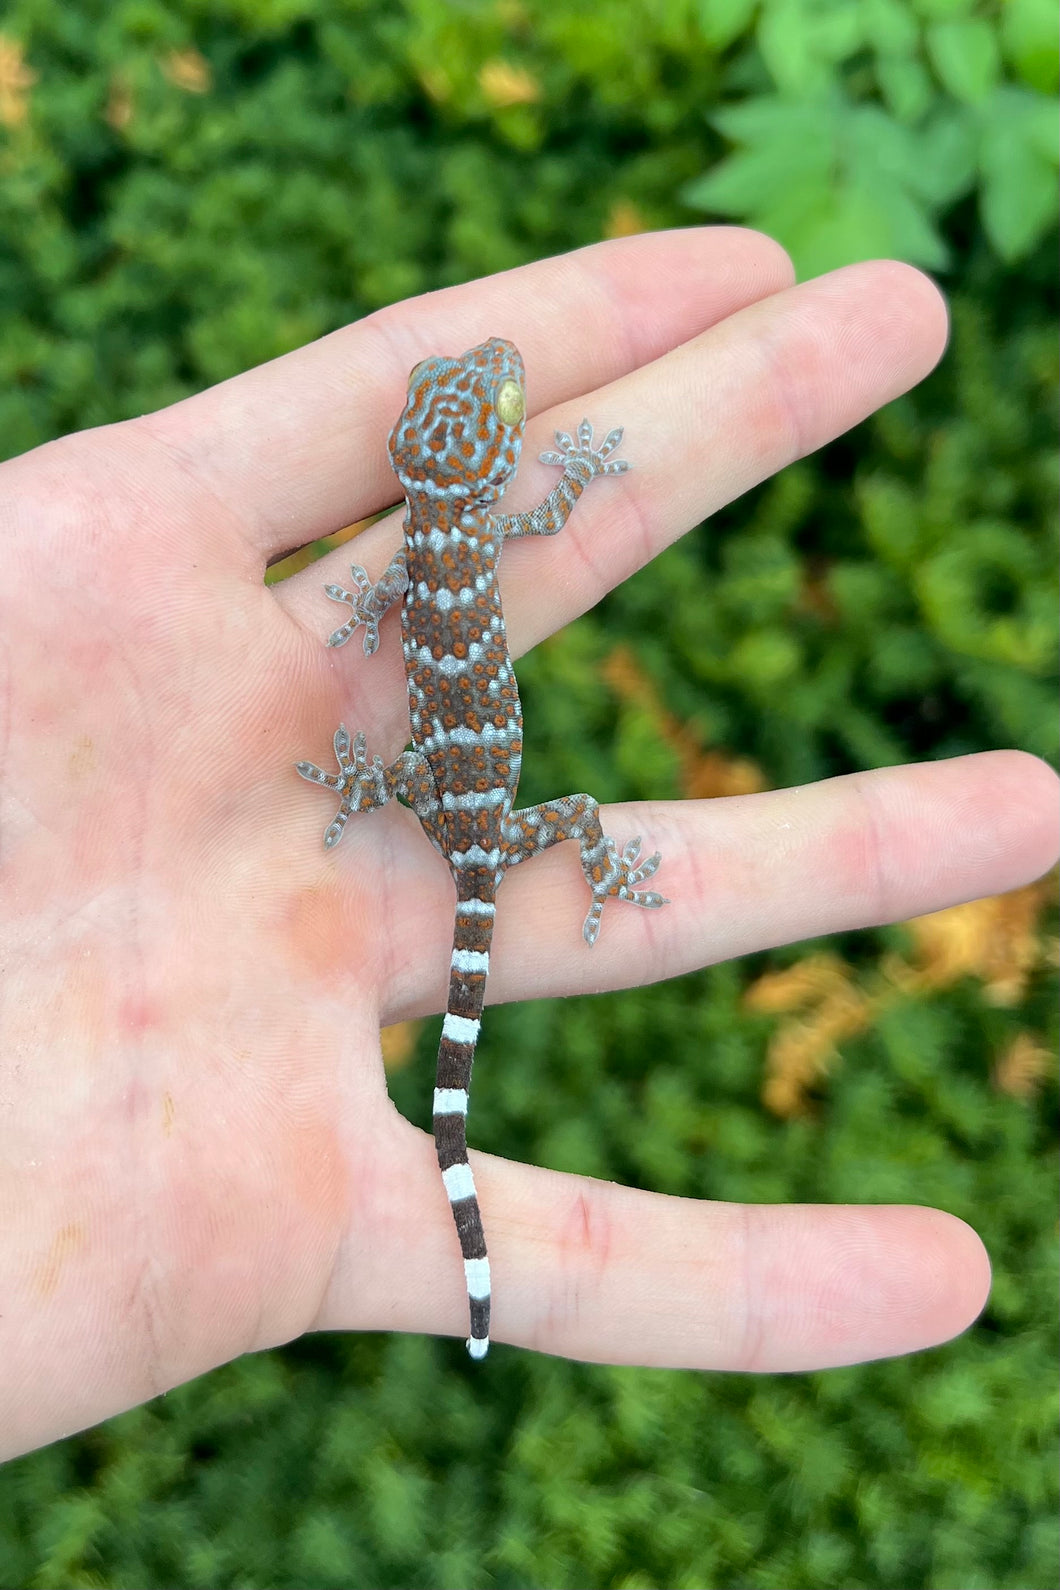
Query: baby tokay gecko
[[455, 448]]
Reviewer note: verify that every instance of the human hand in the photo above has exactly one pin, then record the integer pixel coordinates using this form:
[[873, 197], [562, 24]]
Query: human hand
[[199, 1154]]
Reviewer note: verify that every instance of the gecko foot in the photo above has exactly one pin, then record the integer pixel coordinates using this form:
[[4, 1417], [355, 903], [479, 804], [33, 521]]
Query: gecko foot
[[579, 457], [366, 610], [359, 784], [620, 881]]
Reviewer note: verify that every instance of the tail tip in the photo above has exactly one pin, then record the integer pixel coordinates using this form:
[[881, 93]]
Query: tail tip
[[478, 1346]]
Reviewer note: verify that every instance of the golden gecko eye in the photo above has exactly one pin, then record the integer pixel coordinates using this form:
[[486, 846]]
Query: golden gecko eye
[[510, 403]]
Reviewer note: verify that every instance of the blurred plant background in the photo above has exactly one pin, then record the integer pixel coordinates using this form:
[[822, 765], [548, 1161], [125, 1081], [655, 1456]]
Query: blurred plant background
[[189, 188]]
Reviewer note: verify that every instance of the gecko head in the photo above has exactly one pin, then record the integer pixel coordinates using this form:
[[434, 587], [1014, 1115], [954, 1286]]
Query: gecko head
[[461, 429]]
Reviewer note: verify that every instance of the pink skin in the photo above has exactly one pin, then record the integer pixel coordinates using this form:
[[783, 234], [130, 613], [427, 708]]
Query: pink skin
[[200, 1157]]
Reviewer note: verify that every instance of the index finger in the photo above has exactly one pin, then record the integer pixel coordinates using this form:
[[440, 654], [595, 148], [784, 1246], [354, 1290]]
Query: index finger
[[297, 446]]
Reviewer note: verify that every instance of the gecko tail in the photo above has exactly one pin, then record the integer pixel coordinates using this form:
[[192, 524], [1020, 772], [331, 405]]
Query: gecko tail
[[456, 1055]]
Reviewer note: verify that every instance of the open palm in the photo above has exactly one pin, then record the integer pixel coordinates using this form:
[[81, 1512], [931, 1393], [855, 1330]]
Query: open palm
[[199, 1156]]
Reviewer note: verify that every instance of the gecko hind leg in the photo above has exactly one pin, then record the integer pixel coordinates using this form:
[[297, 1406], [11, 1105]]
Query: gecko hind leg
[[610, 873], [365, 786]]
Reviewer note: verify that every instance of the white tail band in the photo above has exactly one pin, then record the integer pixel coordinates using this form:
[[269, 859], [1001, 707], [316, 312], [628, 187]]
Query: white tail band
[[459, 1182]]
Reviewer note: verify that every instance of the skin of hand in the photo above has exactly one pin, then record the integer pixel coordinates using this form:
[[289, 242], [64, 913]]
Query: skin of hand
[[199, 1156]]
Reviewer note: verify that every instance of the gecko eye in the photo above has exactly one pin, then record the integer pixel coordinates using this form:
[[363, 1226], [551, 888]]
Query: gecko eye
[[510, 403]]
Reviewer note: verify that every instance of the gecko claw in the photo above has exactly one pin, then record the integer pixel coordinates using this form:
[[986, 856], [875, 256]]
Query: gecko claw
[[316, 775], [334, 831], [365, 605], [620, 882], [359, 784], [582, 458]]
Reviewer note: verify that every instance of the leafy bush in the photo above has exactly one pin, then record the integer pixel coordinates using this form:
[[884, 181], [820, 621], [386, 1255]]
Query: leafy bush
[[188, 189], [872, 117]]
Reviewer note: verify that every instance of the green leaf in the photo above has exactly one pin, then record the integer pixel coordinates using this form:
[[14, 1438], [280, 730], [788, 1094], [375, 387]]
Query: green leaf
[[944, 156], [891, 515], [837, 31], [836, 182], [722, 21], [764, 658], [785, 39], [755, 180], [1029, 42], [966, 57], [769, 116], [985, 595], [932, 10], [860, 219], [1018, 162], [790, 149], [906, 86], [1038, 115], [890, 27]]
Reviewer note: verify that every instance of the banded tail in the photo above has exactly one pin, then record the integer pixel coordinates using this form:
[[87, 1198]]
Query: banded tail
[[469, 968]]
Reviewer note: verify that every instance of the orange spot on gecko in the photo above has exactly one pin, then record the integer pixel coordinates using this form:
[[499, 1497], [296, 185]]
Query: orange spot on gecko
[[169, 1110]]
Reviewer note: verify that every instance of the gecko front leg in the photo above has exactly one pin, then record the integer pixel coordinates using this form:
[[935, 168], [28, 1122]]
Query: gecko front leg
[[581, 462], [364, 786], [369, 602]]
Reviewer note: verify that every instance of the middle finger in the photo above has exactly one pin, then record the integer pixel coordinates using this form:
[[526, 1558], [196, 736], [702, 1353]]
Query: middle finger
[[742, 874]]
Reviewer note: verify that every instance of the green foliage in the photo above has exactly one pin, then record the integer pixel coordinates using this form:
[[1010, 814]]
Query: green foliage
[[868, 119], [901, 606], [191, 188]]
